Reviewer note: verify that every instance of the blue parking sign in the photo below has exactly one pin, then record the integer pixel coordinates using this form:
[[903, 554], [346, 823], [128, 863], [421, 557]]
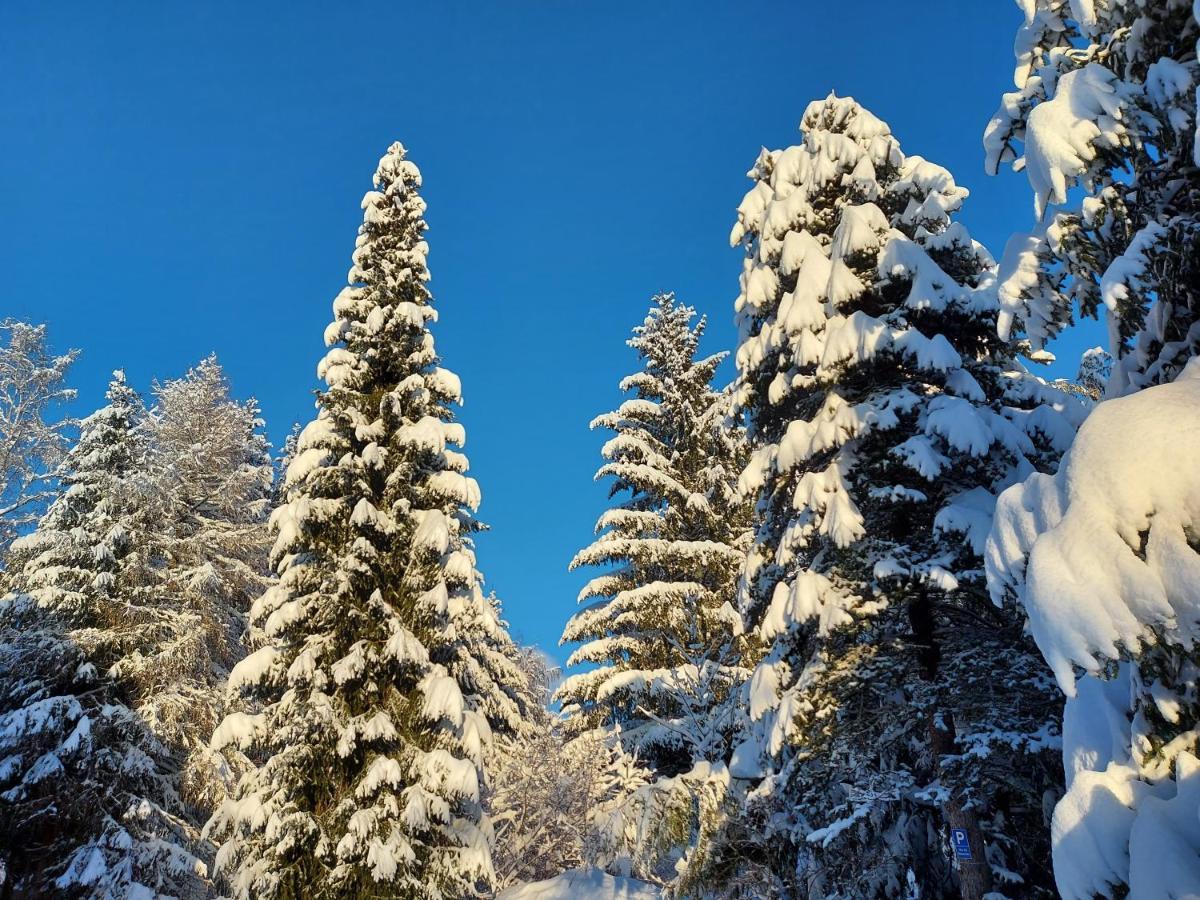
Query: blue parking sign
[[962, 846]]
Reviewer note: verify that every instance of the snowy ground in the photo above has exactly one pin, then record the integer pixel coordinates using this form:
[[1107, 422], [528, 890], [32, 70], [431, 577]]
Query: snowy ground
[[582, 884]]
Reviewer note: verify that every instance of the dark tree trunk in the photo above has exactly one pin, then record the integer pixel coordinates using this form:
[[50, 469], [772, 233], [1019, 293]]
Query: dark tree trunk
[[974, 874]]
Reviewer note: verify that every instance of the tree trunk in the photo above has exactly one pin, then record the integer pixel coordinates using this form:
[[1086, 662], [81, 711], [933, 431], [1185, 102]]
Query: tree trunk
[[974, 874]]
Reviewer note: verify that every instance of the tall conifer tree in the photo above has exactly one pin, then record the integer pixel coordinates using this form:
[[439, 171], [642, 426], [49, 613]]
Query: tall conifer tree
[[84, 552], [895, 702], [661, 625], [382, 668]]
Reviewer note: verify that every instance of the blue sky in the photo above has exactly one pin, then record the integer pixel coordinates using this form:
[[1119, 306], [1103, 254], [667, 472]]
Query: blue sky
[[181, 178]]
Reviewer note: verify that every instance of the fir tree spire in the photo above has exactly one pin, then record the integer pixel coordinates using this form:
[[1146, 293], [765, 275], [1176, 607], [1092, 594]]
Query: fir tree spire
[[380, 662], [660, 625]]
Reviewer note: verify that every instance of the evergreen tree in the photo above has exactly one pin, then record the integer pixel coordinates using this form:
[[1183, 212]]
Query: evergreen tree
[[660, 626], [152, 555], [88, 802], [1105, 109], [381, 668], [286, 454], [210, 477], [82, 556], [1091, 379], [895, 702], [94, 562], [1106, 99], [88, 806]]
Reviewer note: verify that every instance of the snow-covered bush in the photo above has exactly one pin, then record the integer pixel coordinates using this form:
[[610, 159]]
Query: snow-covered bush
[[540, 787], [582, 884]]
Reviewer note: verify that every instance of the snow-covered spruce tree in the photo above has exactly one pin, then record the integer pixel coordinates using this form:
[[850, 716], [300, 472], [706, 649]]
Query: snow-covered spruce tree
[[381, 667], [88, 806], [1106, 100], [664, 632], [1105, 110], [286, 454], [88, 802], [210, 476], [82, 557], [895, 702], [660, 624], [1091, 379]]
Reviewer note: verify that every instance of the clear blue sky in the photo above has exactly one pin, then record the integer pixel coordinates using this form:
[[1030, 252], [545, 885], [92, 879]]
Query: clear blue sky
[[184, 178]]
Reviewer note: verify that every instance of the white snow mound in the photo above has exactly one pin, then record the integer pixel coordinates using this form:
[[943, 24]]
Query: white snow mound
[[1107, 537], [582, 884]]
